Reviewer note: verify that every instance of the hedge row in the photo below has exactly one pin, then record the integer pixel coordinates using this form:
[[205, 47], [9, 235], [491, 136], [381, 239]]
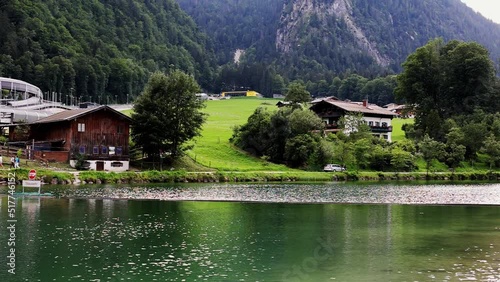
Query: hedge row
[[153, 176]]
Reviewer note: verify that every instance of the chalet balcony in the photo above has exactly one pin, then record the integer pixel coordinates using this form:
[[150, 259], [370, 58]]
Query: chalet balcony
[[375, 129], [381, 129], [331, 126]]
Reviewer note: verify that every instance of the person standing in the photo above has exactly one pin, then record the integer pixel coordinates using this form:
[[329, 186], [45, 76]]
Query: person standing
[[16, 162], [1, 161], [12, 162]]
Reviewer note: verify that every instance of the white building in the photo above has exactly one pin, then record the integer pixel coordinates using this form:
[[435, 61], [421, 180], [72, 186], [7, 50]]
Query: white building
[[331, 110]]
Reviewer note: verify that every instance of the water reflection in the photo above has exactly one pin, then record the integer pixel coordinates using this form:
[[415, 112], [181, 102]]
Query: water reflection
[[103, 239]]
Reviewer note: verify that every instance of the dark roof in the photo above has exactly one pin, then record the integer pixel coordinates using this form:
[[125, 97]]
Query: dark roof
[[72, 114], [358, 107], [283, 103]]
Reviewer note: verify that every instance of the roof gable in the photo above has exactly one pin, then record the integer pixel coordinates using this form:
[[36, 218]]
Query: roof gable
[[76, 113], [357, 107]]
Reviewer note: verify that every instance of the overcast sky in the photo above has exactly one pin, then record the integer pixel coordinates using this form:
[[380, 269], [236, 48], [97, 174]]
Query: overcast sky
[[488, 8]]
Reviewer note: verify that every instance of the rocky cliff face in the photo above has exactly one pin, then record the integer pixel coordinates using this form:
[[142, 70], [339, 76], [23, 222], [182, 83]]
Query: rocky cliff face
[[293, 22], [315, 39], [299, 19]]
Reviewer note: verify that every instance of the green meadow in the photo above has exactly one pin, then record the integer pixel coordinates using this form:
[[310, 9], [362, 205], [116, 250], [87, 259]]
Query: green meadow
[[213, 149], [397, 132]]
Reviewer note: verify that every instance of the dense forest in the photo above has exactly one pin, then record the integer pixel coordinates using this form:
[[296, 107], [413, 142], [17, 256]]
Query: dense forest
[[104, 51], [318, 40], [101, 51]]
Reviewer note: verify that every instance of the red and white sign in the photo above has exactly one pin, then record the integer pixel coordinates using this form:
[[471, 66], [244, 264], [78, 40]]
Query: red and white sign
[[32, 174]]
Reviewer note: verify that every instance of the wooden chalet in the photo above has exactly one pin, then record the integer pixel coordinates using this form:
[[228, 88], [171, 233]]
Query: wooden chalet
[[100, 133], [332, 109]]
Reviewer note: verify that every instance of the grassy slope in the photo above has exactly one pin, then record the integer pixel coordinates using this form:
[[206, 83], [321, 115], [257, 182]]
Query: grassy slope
[[397, 133], [213, 149]]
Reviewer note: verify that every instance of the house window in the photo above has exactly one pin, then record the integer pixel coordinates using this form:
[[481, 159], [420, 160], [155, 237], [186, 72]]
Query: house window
[[384, 124], [95, 150], [119, 129], [116, 164], [370, 123], [386, 137], [377, 123], [119, 151], [104, 150], [81, 127], [81, 150]]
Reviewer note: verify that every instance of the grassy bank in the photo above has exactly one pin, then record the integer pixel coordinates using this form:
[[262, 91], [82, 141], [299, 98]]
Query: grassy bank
[[260, 176], [45, 175]]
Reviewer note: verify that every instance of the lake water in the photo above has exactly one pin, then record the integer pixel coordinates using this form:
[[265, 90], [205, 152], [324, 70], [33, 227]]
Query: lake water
[[302, 233]]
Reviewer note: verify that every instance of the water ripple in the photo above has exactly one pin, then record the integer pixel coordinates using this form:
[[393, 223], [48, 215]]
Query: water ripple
[[480, 194]]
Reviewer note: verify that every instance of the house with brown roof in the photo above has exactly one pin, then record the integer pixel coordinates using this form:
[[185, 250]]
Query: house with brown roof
[[402, 111], [100, 134], [332, 109]]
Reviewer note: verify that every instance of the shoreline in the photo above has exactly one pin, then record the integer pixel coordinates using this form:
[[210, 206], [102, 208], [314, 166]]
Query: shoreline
[[437, 193], [49, 177]]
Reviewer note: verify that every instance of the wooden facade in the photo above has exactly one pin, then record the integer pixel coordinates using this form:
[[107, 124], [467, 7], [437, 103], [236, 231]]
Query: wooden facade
[[98, 133]]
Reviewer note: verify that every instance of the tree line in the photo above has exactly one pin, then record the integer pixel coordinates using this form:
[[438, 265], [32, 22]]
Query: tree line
[[267, 81]]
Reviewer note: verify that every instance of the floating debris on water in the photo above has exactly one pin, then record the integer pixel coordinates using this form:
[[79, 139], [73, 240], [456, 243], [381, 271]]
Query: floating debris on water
[[486, 194]]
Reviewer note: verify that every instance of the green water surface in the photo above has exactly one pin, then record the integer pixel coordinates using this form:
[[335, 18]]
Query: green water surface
[[139, 240]]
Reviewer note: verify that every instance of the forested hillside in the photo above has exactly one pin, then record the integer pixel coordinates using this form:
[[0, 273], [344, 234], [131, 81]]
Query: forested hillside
[[104, 51], [320, 39], [238, 24], [99, 50]]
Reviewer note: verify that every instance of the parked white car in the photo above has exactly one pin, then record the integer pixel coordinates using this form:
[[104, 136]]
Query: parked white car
[[333, 167]]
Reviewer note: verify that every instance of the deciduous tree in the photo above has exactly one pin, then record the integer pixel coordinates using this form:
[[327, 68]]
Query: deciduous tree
[[431, 150], [167, 114], [401, 160], [445, 80], [492, 149], [455, 152], [297, 93]]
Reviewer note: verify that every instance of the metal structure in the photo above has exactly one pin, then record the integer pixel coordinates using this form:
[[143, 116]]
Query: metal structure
[[16, 86], [23, 102]]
